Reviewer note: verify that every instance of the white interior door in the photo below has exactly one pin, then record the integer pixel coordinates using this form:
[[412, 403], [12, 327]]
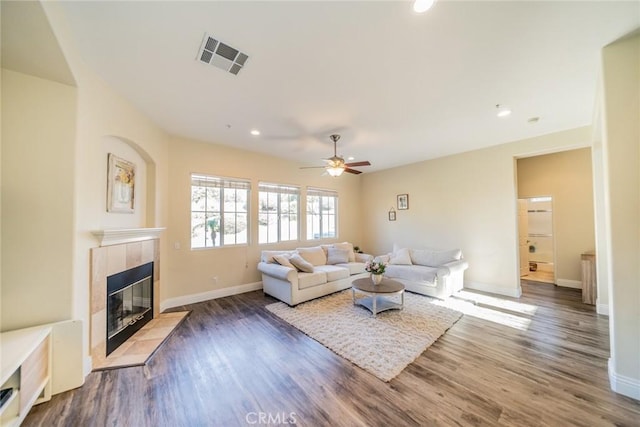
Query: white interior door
[[523, 236]]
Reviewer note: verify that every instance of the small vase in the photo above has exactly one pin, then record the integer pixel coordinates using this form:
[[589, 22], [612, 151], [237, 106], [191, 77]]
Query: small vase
[[376, 278]]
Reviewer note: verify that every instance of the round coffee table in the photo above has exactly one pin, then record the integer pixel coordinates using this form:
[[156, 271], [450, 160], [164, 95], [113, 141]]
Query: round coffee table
[[377, 299]]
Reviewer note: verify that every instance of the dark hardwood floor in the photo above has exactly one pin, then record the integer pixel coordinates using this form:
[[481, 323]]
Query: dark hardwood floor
[[232, 363]]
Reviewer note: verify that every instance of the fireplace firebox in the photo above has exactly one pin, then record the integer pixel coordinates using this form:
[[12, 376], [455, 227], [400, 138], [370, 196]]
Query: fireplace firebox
[[129, 303]]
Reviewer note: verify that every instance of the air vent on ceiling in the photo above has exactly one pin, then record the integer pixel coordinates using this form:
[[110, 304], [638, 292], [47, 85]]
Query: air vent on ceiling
[[221, 55]]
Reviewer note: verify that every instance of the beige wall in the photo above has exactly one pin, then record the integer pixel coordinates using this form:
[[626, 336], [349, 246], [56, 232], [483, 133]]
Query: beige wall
[[567, 177], [621, 77], [38, 164], [190, 272], [51, 202], [110, 124], [467, 200]]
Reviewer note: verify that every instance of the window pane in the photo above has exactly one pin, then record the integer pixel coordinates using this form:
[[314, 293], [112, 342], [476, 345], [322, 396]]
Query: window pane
[[229, 237], [213, 230], [219, 214], [198, 233], [229, 200], [277, 204], [263, 228], [198, 198], [321, 216], [242, 234], [242, 198], [213, 199]]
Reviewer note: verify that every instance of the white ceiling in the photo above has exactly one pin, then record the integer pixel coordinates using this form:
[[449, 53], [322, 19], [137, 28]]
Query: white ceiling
[[399, 87]]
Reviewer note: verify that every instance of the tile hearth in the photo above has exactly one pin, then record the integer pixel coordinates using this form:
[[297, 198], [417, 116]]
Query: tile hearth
[[143, 344]]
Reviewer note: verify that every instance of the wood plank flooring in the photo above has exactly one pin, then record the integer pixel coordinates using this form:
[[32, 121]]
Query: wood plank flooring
[[232, 363]]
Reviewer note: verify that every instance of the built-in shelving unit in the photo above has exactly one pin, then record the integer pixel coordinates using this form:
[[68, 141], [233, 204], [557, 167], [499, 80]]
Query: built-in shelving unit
[[25, 357]]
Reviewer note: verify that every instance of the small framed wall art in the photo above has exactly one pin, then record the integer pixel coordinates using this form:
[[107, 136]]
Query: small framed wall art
[[121, 176], [392, 215], [403, 202]]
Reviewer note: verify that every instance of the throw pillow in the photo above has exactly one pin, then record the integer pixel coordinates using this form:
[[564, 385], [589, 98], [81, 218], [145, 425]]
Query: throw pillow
[[314, 255], [337, 256], [300, 263], [267, 256], [400, 257], [283, 260], [349, 247]]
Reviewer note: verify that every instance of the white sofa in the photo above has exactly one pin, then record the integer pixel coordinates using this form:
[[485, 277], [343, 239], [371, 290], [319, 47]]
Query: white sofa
[[333, 268], [432, 272]]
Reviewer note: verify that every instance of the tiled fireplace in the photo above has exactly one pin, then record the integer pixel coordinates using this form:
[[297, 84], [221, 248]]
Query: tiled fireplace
[[138, 251]]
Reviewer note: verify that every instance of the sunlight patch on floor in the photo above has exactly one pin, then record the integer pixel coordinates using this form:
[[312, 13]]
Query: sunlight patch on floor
[[514, 306], [485, 313]]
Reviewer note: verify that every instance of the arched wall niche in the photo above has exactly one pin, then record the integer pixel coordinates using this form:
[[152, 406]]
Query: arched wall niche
[[144, 214]]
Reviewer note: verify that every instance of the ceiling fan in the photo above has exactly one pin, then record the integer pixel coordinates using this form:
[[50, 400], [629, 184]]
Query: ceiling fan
[[336, 165]]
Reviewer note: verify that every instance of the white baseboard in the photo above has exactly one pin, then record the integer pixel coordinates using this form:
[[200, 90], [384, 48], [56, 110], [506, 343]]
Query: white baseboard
[[602, 308], [568, 283], [623, 385], [515, 292], [205, 296]]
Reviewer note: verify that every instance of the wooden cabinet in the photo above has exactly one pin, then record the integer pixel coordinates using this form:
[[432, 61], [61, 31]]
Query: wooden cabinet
[[25, 357]]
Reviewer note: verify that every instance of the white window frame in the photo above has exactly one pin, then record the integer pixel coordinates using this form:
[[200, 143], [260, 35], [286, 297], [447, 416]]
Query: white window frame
[[326, 221], [220, 210], [279, 191]]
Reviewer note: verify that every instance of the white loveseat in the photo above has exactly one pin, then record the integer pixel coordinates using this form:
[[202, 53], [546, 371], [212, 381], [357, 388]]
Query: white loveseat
[[328, 269], [432, 272]]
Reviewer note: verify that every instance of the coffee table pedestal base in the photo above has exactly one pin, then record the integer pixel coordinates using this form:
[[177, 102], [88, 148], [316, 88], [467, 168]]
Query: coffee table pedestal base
[[377, 303]]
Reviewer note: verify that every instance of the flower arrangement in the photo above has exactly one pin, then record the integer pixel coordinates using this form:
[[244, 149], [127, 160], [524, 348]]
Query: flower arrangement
[[375, 267]]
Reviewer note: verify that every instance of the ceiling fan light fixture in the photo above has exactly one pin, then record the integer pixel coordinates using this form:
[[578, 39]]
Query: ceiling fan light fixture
[[421, 6], [335, 171]]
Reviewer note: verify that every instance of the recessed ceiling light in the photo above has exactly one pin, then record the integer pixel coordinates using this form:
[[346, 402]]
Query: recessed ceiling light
[[503, 110], [421, 6], [255, 132], [350, 158]]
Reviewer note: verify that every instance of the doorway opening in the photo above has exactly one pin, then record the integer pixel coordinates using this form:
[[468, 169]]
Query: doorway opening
[[536, 237]]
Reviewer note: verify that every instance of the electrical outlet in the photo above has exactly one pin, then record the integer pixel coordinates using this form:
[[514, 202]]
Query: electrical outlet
[[214, 279], [176, 245]]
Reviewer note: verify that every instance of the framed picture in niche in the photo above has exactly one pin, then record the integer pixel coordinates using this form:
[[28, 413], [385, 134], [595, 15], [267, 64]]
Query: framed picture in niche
[[392, 215], [121, 179], [403, 202]]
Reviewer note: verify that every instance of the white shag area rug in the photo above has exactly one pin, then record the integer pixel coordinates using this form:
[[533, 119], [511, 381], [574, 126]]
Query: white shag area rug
[[382, 345]]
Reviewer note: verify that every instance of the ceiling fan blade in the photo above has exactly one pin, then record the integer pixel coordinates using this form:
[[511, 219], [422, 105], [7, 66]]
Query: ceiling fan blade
[[364, 163], [353, 171]]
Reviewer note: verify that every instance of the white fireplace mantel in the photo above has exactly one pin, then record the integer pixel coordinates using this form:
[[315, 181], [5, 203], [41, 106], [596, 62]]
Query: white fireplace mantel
[[118, 236]]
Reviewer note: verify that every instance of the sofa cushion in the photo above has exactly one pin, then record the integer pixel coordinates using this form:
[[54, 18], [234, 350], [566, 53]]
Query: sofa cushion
[[314, 255], [349, 247], [353, 267], [400, 257], [283, 260], [337, 256], [333, 272], [301, 264], [413, 273], [434, 258], [308, 280]]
